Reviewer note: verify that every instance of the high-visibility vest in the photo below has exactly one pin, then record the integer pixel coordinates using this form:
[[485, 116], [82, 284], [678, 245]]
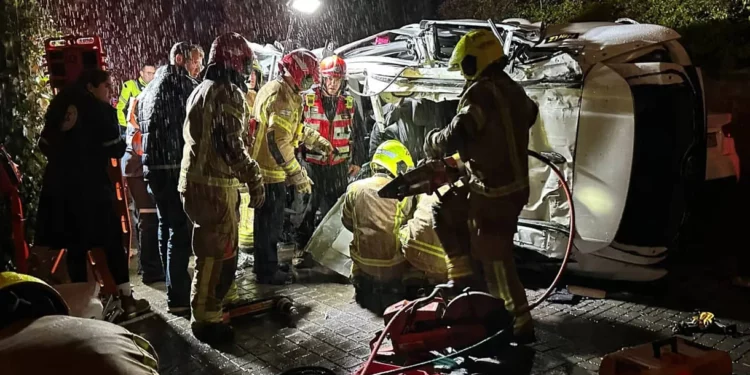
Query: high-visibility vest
[[338, 131], [134, 137]]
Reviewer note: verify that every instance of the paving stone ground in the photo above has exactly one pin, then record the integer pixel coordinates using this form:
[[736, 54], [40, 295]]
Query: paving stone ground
[[334, 331]]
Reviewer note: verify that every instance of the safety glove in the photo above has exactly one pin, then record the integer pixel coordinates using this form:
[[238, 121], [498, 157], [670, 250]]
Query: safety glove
[[432, 148], [301, 182], [255, 187]]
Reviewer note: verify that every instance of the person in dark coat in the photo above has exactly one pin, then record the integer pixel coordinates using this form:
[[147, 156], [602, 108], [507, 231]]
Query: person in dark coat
[[161, 114], [77, 208], [408, 121]]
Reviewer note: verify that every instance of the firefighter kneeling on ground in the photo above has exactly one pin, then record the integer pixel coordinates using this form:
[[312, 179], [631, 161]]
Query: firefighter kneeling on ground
[[38, 337], [215, 164], [476, 222], [381, 274]]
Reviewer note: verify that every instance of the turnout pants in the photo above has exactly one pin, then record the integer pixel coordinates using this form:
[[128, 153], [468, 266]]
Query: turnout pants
[[214, 212], [477, 234], [150, 259], [267, 227]]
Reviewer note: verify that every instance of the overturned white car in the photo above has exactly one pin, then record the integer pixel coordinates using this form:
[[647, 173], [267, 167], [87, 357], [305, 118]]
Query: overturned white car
[[621, 102]]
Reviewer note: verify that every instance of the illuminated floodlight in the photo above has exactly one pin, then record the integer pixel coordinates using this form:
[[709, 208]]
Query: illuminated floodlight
[[305, 6]]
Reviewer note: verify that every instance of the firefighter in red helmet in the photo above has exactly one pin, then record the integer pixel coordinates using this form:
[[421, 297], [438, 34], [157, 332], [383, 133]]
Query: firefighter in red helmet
[[330, 111], [279, 131], [215, 165]]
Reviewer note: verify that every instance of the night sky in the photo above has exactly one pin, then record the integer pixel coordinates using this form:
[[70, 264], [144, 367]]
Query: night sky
[[135, 31]]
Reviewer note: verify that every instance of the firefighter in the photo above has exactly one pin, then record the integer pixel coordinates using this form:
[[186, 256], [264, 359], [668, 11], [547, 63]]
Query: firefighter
[[130, 90], [329, 111], [476, 222], [246, 213], [279, 131], [215, 164], [35, 325], [378, 266], [420, 244]]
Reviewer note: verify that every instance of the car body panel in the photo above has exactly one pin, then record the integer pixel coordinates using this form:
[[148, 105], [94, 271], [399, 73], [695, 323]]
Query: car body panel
[[584, 77]]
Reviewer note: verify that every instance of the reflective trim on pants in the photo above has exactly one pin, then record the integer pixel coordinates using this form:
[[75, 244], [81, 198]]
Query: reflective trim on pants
[[503, 282], [215, 215]]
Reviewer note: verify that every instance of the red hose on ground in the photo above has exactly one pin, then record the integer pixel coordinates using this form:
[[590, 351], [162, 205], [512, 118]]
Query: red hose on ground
[[571, 230], [550, 289]]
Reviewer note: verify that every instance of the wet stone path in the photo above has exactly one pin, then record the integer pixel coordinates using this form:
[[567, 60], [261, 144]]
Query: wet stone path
[[334, 332]]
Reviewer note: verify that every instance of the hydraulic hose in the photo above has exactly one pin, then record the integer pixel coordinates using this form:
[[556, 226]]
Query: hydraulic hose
[[542, 298], [571, 229]]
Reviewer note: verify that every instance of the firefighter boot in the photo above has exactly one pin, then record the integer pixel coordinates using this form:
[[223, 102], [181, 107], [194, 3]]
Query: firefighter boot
[[133, 307], [213, 333]]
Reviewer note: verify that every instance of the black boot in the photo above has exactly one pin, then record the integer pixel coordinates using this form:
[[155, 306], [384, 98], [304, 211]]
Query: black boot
[[213, 333], [277, 278]]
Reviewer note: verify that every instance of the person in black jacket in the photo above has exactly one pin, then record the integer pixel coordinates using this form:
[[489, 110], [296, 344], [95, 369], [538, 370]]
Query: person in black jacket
[[77, 204], [161, 114], [408, 121]]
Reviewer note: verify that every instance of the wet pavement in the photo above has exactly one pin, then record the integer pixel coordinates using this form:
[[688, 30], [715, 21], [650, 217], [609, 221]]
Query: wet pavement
[[334, 331]]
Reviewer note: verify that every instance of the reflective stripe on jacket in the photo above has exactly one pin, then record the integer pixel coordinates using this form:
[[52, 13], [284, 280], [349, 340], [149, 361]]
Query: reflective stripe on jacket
[[277, 111], [338, 131], [201, 162], [419, 242], [491, 131], [375, 223]]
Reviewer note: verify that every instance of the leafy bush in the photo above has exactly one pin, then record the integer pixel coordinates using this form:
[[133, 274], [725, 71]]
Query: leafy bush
[[24, 95], [715, 32]]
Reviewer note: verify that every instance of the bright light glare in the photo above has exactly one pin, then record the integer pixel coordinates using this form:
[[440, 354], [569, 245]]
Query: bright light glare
[[306, 6]]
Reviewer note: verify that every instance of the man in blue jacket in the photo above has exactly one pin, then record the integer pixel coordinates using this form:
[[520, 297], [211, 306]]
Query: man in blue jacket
[[161, 114]]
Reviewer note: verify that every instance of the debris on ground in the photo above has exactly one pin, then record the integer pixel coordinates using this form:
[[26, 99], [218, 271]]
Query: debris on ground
[[243, 261], [563, 296], [587, 292], [704, 322]]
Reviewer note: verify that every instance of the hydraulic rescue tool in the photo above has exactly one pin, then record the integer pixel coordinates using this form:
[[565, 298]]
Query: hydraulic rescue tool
[[421, 328]]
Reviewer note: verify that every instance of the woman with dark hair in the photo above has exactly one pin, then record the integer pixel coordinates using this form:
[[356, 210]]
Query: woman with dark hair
[[77, 205]]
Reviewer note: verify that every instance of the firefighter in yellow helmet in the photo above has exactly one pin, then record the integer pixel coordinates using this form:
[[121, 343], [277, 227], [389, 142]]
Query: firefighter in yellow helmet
[[215, 164], [378, 265], [476, 222], [35, 324]]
